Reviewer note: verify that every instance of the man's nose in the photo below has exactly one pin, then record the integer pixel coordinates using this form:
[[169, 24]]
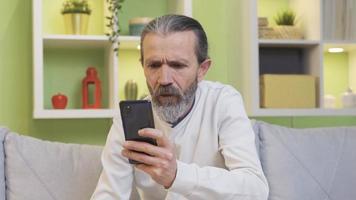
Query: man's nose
[[165, 76]]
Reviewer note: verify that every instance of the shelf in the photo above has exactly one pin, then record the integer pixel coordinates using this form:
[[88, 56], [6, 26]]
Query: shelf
[[60, 60], [273, 112], [76, 41], [88, 41], [287, 43], [74, 113]]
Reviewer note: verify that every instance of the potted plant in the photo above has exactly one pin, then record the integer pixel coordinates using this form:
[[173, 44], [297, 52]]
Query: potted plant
[[114, 6], [286, 28], [76, 16]]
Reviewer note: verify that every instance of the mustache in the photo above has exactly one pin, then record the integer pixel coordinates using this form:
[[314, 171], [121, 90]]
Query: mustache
[[167, 90]]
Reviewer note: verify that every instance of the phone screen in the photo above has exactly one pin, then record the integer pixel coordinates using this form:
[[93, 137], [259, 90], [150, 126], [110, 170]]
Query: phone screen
[[136, 115]]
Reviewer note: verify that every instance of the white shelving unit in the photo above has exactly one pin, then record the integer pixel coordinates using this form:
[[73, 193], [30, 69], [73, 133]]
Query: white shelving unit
[[43, 41], [310, 20]]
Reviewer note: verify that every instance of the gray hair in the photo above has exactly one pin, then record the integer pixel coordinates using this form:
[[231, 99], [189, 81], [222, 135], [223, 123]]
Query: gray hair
[[178, 23]]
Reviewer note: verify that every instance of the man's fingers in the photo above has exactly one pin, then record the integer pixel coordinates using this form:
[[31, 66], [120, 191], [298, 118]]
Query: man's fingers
[[143, 158], [151, 133], [158, 135], [148, 149]]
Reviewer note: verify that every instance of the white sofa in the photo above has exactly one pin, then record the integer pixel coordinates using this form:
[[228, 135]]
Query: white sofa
[[299, 164]]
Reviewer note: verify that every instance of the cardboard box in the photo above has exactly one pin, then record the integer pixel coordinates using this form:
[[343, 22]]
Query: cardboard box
[[287, 91]]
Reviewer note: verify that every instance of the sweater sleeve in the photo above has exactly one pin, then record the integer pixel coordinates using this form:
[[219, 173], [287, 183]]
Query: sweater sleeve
[[115, 182], [243, 177]]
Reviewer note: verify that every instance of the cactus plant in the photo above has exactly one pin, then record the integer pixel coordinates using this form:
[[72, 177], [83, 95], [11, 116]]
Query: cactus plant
[[131, 90]]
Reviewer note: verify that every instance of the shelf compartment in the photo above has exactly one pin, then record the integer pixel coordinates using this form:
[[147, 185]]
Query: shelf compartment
[[308, 17], [339, 70], [300, 60], [50, 43], [281, 60], [53, 22], [289, 59], [64, 70]]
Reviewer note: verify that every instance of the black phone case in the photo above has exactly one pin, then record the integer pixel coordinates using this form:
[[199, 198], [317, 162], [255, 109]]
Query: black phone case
[[136, 115]]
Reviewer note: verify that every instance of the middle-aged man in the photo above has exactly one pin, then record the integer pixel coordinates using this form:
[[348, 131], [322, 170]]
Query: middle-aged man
[[206, 148]]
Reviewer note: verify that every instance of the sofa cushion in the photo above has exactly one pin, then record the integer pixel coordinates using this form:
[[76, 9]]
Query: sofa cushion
[[3, 132], [314, 163], [37, 169]]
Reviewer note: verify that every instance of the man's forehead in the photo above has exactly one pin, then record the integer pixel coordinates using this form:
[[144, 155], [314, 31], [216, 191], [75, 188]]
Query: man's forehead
[[161, 34], [176, 46], [166, 59]]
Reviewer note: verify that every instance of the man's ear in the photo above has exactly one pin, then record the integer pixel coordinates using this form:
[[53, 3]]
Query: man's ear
[[203, 69], [141, 61]]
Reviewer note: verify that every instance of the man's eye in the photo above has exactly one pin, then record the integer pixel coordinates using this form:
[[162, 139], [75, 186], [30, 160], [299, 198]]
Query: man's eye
[[177, 65], [154, 65]]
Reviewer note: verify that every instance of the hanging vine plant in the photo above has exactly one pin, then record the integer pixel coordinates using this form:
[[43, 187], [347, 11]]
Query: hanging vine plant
[[114, 6]]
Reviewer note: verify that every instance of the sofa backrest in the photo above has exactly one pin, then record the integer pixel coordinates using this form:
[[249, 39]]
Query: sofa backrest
[[316, 163], [37, 169], [313, 163]]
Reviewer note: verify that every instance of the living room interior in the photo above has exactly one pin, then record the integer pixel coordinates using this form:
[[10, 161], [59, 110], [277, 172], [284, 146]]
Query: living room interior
[[227, 24], [41, 59]]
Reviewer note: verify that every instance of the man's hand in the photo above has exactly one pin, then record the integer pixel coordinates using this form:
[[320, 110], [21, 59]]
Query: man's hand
[[159, 161]]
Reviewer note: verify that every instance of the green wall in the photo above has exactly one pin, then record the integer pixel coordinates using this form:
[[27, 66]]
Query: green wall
[[220, 18]]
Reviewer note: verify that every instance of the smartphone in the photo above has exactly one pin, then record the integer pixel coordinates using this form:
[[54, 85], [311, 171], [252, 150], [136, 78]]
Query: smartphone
[[136, 115]]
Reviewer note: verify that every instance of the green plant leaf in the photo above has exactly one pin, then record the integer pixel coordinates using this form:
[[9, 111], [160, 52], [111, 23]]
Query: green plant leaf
[[286, 17]]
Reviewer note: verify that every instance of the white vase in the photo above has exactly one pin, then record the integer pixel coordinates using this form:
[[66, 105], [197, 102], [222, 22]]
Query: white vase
[[348, 99], [329, 101], [76, 23]]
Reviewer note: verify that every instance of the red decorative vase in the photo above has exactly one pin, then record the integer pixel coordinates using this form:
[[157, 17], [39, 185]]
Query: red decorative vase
[[91, 79], [59, 101]]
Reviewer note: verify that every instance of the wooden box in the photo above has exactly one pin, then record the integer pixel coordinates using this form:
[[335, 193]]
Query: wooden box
[[287, 91]]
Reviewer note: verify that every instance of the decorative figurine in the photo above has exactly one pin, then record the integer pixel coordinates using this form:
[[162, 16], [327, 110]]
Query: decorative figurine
[[329, 101], [91, 78], [347, 98], [59, 101], [131, 90]]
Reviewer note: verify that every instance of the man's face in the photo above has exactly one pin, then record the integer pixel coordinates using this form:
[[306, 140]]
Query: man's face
[[172, 71]]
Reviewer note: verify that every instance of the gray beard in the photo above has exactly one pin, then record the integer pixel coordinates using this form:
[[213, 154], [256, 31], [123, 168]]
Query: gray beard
[[171, 112]]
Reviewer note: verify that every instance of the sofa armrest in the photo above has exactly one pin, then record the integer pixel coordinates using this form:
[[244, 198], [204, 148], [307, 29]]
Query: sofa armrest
[[3, 132]]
